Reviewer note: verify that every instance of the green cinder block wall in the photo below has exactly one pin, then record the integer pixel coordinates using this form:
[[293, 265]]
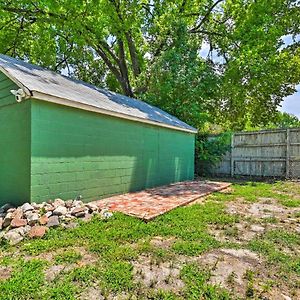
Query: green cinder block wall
[[14, 146], [49, 150], [76, 152]]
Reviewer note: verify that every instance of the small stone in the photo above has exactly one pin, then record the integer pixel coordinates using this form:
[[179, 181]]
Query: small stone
[[105, 214], [33, 219], [48, 214], [11, 210], [7, 220], [87, 217], [49, 207], [16, 222], [293, 220], [58, 202], [69, 216], [18, 213], [26, 206], [37, 206], [79, 212], [70, 225], [37, 231], [1, 223], [13, 237], [23, 230], [77, 203], [43, 220], [257, 228], [69, 203], [5, 207], [60, 211], [53, 221], [91, 207]]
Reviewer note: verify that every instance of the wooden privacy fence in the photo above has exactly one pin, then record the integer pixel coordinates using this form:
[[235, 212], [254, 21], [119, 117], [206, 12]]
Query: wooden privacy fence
[[272, 153]]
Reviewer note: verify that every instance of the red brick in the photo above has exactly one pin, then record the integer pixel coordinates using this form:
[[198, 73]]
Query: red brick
[[151, 203]]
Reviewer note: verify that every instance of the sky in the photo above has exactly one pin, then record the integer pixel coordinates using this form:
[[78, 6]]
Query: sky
[[291, 104]]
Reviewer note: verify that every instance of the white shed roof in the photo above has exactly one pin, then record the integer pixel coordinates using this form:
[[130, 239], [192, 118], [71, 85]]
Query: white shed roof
[[42, 84]]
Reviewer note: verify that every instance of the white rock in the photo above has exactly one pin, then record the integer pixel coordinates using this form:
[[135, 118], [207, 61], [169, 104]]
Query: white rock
[[8, 218], [257, 228], [37, 206], [69, 203], [58, 202], [49, 207], [33, 218], [60, 211], [77, 203], [13, 237], [48, 214], [105, 214], [26, 206], [91, 207], [23, 230]]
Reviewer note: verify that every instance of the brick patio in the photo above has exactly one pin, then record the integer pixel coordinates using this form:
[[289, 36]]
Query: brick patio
[[151, 203]]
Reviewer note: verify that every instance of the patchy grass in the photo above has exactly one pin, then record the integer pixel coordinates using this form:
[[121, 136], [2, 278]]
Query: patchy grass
[[26, 281], [183, 236], [68, 256], [197, 286]]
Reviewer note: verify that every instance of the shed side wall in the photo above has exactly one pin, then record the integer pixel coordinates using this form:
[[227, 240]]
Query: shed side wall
[[76, 152], [14, 146]]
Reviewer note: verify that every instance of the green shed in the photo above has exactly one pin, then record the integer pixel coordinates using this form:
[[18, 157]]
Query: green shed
[[63, 138]]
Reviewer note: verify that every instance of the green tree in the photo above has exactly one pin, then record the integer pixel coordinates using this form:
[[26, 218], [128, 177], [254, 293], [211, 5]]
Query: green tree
[[150, 49]]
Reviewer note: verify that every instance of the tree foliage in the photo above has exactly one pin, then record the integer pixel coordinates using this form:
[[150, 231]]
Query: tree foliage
[[281, 120], [151, 49]]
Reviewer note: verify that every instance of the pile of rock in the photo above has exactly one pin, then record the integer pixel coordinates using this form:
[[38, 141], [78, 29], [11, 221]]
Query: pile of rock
[[34, 220]]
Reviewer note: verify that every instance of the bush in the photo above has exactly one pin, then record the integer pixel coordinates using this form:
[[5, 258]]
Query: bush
[[210, 151]]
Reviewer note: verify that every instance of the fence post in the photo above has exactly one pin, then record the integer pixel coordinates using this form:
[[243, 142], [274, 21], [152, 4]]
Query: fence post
[[287, 159], [231, 156]]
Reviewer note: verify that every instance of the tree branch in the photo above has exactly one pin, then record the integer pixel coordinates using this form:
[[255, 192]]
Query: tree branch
[[162, 44], [206, 16], [131, 45]]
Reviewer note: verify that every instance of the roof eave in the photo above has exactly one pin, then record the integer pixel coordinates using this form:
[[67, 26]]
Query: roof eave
[[17, 82], [66, 102]]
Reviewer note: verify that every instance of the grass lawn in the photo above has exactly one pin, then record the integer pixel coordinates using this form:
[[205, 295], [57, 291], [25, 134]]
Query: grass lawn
[[241, 243]]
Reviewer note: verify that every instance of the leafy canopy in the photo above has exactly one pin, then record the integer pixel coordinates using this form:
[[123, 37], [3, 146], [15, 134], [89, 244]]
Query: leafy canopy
[[151, 49]]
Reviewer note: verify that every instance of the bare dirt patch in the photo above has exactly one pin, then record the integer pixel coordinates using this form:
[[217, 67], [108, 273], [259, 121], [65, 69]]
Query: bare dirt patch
[[229, 267], [162, 242], [5, 273], [163, 276], [267, 213], [55, 270], [264, 208], [240, 232], [91, 293], [52, 272]]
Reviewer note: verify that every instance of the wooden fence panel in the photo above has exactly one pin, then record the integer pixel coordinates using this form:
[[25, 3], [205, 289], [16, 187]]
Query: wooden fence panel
[[272, 153]]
